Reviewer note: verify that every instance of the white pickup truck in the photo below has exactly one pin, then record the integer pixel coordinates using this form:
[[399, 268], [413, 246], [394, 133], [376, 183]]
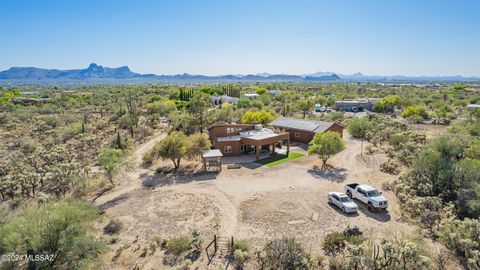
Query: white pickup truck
[[368, 195]]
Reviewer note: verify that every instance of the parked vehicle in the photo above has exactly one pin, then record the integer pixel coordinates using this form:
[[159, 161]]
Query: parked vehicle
[[368, 195], [318, 108], [342, 201]]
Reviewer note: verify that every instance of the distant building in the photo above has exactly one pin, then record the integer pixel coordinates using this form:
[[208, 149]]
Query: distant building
[[219, 100], [356, 105], [251, 96], [303, 130], [473, 106], [27, 100]]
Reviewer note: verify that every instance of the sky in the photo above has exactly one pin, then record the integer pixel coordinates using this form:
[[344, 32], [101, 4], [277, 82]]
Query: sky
[[374, 37]]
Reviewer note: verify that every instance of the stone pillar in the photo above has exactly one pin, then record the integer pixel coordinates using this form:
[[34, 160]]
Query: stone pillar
[[288, 147], [273, 148], [257, 152]]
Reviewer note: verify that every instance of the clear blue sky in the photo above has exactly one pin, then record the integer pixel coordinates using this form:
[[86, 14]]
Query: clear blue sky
[[395, 37]]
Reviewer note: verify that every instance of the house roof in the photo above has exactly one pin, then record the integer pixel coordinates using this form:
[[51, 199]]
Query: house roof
[[302, 124]]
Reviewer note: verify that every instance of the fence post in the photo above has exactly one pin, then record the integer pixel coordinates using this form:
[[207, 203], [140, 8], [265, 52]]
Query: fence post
[[215, 242], [231, 245]]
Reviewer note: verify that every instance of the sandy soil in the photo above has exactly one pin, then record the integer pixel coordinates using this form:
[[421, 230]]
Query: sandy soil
[[254, 202]]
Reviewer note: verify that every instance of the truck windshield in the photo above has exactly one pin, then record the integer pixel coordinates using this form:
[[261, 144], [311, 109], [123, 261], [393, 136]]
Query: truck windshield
[[373, 193], [344, 199]]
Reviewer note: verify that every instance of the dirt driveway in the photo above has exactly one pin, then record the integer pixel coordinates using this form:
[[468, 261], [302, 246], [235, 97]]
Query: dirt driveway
[[255, 203]]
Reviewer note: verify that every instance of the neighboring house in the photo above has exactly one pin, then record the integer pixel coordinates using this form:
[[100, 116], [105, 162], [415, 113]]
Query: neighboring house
[[219, 100], [238, 139], [251, 96], [27, 100], [357, 104], [303, 130], [473, 106]]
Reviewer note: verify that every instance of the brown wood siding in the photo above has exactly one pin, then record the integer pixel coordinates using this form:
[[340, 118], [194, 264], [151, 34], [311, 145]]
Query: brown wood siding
[[235, 147], [304, 137], [337, 128]]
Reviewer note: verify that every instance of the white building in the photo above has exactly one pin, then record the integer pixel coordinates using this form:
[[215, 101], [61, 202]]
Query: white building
[[219, 100]]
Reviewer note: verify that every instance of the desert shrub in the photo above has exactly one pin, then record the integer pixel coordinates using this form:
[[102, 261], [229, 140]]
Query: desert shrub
[[388, 186], [462, 237], [241, 245], [390, 167], [430, 220], [114, 226], [336, 242], [285, 253], [63, 230], [240, 258], [196, 239], [178, 245]]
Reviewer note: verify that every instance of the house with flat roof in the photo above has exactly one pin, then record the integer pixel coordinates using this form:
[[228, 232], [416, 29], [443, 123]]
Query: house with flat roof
[[219, 100], [303, 130], [238, 139], [250, 95], [356, 104]]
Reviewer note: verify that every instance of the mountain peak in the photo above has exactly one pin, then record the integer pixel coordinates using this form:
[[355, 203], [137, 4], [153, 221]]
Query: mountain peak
[[93, 66]]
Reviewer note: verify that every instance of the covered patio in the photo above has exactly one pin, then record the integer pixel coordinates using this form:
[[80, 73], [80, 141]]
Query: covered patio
[[258, 140]]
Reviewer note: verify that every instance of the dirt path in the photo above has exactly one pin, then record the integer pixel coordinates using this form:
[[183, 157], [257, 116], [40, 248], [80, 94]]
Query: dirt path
[[131, 180]]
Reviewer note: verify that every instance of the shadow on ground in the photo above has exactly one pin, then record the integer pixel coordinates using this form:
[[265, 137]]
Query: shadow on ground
[[171, 179], [113, 202], [379, 215], [332, 174]]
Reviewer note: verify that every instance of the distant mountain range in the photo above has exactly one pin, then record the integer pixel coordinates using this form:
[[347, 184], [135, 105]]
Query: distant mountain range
[[95, 72]]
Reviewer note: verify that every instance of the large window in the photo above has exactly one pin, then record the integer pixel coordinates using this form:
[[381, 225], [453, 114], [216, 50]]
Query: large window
[[231, 130], [227, 149], [243, 148]]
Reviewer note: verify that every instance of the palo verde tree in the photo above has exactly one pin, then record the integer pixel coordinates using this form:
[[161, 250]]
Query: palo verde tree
[[112, 161], [304, 105], [326, 145]]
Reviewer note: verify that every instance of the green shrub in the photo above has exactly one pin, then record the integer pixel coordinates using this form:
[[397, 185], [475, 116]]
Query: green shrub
[[61, 229], [178, 245], [241, 245]]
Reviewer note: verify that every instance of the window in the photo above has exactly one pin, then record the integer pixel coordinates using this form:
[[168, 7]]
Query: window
[[231, 130], [227, 149], [243, 148], [297, 134]]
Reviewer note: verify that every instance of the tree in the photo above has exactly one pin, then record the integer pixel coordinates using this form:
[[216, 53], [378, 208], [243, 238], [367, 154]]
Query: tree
[[110, 160], [60, 231], [304, 105], [161, 107], [198, 142], [260, 117], [325, 145], [173, 147], [387, 104], [244, 103], [183, 121], [415, 112], [358, 128], [261, 91], [198, 105]]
